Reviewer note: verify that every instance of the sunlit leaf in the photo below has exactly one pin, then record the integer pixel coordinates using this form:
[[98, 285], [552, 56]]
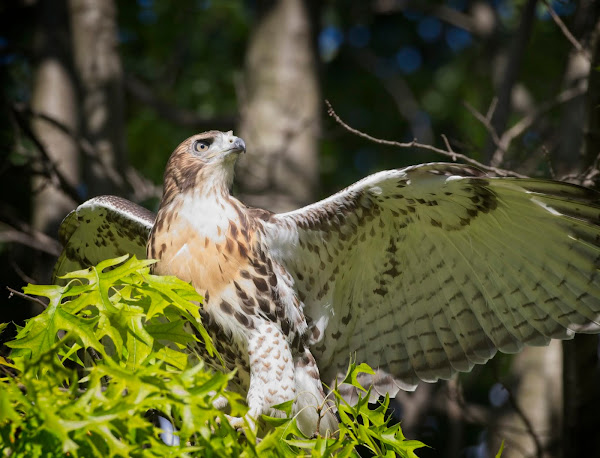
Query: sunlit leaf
[[128, 334]]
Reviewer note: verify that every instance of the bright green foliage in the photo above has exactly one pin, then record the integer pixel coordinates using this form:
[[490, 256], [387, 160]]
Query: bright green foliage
[[113, 346], [499, 454]]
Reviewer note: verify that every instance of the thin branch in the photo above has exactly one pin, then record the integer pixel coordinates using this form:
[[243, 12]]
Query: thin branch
[[485, 121], [513, 402], [414, 144], [549, 162], [13, 229], [509, 77], [468, 412], [25, 296], [86, 147], [22, 275], [141, 186], [452, 16], [51, 168], [502, 142], [447, 143], [527, 121], [566, 32], [491, 109], [33, 239]]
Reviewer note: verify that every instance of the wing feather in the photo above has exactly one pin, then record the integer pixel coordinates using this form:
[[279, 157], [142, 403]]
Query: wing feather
[[428, 270], [100, 228]]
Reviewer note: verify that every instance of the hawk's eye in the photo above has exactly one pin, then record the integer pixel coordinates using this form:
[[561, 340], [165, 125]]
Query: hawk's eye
[[201, 146]]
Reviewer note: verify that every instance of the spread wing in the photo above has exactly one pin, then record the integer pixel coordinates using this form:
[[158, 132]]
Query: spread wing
[[428, 270], [103, 227]]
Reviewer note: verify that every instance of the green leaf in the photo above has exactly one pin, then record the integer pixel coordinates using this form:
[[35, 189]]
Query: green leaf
[[352, 374], [499, 454], [3, 327], [127, 332]]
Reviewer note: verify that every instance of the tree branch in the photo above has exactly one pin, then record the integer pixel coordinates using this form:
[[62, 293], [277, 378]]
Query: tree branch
[[472, 23], [509, 77], [34, 239], [414, 144], [52, 171], [12, 229], [566, 32], [527, 121], [141, 186], [502, 142], [515, 405], [25, 296]]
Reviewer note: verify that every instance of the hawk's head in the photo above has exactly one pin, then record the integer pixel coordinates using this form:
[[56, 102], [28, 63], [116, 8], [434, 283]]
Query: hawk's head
[[203, 163]]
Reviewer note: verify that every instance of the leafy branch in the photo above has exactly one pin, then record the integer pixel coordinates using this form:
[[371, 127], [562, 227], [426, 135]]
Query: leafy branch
[[114, 346]]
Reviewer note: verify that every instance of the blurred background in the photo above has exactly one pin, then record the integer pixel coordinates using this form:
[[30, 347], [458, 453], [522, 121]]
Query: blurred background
[[97, 93]]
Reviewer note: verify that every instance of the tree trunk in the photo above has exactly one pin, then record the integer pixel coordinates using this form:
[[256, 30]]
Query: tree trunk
[[533, 429], [54, 95], [582, 369], [100, 77], [280, 108], [578, 115], [509, 75]]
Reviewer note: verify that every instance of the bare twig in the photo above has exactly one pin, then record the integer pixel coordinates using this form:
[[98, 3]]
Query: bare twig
[[52, 171], [86, 147], [527, 121], [141, 186], [491, 109], [22, 275], [25, 296], [566, 32], [549, 162], [502, 142], [33, 239], [456, 426], [13, 229], [528, 425], [485, 121], [468, 412], [448, 147], [414, 144], [445, 13], [513, 402], [508, 78]]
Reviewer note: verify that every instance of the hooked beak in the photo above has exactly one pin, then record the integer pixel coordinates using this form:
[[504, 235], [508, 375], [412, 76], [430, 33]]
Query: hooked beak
[[238, 146]]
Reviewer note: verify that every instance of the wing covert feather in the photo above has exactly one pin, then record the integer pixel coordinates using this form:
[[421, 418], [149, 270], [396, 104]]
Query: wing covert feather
[[100, 228], [428, 270]]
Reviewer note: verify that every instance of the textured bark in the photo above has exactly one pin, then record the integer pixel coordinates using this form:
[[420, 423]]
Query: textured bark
[[280, 108], [100, 77], [582, 369], [581, 381], [578, 116], [509, 75], [536, 388], [591, 149], [54, 95]]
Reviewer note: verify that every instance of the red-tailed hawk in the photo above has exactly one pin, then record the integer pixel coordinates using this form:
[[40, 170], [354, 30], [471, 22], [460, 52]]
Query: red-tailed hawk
[[420, 272]]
